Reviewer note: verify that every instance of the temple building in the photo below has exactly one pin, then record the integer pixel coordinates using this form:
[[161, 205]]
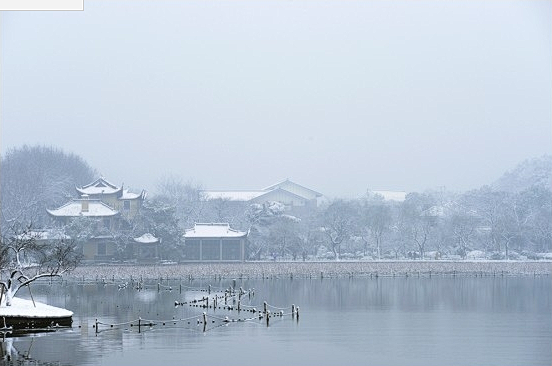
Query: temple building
[[109, 205], [289, 193], [214, 242], [146, 247], [118, 198]]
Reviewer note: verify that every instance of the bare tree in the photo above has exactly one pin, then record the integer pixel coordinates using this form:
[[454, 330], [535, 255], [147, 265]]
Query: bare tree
[[27, 255], [261, 218], [35, 178], [377, 219], [463, 229], [338, 222], [185, 196]]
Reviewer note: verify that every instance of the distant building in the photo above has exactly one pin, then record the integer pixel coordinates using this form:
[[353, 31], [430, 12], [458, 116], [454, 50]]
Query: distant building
[[108, 204], [214, 242], [397, 196], [289, 193], [118, 198], [100, 199], [146, 247]]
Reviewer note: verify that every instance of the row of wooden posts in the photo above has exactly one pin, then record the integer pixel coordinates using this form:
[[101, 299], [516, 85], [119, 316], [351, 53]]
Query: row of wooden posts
[[265, 313]]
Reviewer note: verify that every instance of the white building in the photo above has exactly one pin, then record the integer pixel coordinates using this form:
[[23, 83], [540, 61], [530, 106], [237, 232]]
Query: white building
[[287, 192], [214, 242]]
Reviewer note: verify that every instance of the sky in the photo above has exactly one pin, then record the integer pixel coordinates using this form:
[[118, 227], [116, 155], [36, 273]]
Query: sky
[[339, 96]]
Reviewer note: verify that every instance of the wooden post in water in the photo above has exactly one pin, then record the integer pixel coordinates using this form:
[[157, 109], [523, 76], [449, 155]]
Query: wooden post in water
[[264, 304], [292, 311], [209, 290], [96, 326], [139, 323], [267, 317], [297, 311], [239, 306]]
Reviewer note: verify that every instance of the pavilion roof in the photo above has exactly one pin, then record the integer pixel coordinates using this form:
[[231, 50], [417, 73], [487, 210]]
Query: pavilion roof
[[96, 208], [213, 230]]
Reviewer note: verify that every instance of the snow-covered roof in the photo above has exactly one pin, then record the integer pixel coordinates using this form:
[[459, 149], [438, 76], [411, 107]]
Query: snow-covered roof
[[391, 195], [147, 238], [285, 182], [126, 195], [213, 230], [96, 208], [435, 211], [99, 186], [231, 195], [276, 191], [45, 235]]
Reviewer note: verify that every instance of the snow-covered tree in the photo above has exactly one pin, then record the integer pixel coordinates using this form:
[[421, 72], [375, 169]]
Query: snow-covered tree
[[160, 219], [27, 255], [338, 223], [374, 222], [184, 196], [34, 178], [261, 218]]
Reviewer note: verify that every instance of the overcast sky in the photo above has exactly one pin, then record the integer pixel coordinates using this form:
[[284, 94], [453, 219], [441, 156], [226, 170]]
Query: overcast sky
[[339, 96]]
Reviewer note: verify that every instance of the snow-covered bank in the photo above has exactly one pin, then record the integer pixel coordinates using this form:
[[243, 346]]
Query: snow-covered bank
[[23, 314], [314, 269]]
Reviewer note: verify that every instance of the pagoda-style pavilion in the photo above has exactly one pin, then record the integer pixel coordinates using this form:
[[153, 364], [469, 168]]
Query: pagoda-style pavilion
[[108, 204]]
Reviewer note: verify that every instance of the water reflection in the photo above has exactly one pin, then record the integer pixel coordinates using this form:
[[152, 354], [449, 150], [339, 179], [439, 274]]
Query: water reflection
[[385, 321]]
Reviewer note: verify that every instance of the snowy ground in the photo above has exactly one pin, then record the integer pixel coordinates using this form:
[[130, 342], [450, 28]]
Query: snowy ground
[[26, 309], [314, 269]]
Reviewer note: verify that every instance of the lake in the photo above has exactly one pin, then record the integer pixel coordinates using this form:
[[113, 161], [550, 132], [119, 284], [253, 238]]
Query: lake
[[435, 320]]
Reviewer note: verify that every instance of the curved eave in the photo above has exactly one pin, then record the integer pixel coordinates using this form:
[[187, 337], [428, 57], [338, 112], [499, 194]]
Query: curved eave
[[84, 191], [54, 214], [215, 237]]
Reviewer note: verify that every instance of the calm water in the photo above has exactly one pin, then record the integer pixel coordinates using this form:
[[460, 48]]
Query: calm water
[[359, 321]]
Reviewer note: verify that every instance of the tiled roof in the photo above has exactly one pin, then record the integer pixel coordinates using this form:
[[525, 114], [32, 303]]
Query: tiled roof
[[99, 186], [231, 195], [96, 208], [147, 238], [213, 230]]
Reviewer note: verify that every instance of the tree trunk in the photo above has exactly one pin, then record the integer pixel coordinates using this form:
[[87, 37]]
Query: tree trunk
[[10, 293]]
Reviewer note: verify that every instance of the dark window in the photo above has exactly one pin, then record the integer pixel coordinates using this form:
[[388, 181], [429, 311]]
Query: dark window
[[231, 250], [102, 249], [191, 250], [210, 250]]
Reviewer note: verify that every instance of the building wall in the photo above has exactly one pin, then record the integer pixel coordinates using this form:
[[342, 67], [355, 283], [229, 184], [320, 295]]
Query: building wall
[[298, 190], [281, 196], [113, 201], [215, 249], [97, 249]]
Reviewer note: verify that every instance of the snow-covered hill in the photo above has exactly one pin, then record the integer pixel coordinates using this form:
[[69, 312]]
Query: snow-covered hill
[[531, 172]]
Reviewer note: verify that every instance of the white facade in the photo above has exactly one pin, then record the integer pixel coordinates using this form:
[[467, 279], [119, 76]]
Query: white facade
[[287, 192]]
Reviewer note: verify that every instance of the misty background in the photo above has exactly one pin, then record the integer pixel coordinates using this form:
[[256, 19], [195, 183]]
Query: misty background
[[338, 96]]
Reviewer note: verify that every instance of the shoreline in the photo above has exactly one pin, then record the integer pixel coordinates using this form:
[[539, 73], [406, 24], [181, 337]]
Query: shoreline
[[312, 269]]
